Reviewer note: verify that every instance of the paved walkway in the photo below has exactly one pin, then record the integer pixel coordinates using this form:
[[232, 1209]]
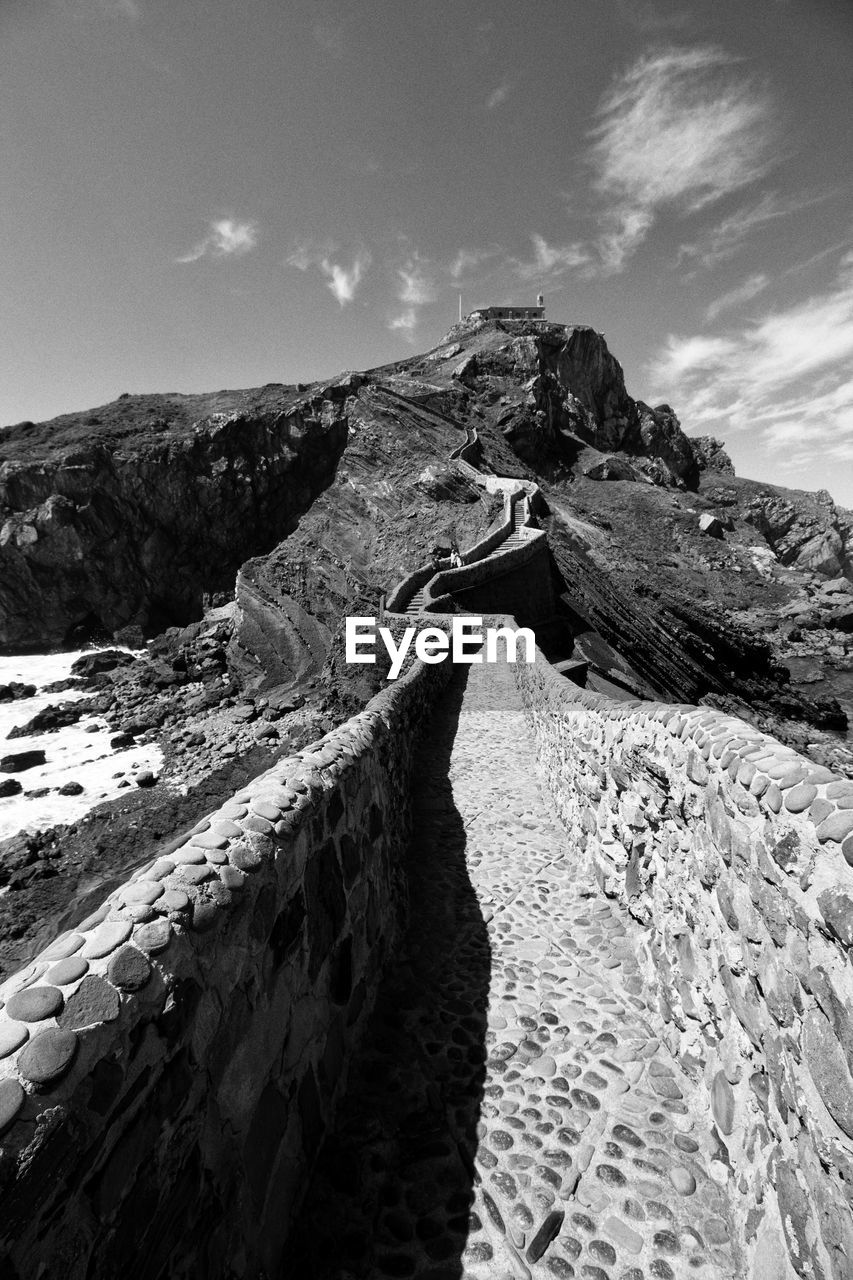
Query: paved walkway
[[512, 1113]]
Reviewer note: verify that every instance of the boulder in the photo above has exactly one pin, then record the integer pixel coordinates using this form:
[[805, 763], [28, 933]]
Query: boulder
[[101, 661], [21, 761], [840, 619], [11, 692], [710, 525], [613, 469], [50, 719]]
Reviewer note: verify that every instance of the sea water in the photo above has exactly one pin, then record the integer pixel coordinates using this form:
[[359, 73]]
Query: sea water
[[78, 753]]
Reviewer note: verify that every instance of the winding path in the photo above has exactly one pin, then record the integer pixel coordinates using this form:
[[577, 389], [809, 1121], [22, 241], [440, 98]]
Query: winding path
[[513, 1111]]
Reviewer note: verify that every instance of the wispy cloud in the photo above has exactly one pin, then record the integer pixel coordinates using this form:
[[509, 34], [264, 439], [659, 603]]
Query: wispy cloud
[[679, 130], [785, 376], [342, 278], [467, 260], [743, 293], [725, 238], [406, 321], [416, 287], [416, 284], [498, 95], [550, 261], [226, 238]]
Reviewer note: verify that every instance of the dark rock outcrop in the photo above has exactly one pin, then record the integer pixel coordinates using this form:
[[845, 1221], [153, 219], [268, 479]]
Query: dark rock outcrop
[[130, 524], [315, 503], [710, 455], [100, 662], [613, 469], [51, 718], [21, 760], [572, 390], [12, 692], [805, 530]]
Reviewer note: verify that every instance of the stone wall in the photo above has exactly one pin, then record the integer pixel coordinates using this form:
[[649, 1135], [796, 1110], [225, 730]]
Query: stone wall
[[733, 851], [168, 1070], [519, 577], [514, 491]]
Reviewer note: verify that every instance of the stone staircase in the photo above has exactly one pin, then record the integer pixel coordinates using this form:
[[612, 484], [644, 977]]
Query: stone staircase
[[417, 601]]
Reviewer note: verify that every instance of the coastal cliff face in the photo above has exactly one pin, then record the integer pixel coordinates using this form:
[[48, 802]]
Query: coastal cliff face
[[302, 506], [126, 516]]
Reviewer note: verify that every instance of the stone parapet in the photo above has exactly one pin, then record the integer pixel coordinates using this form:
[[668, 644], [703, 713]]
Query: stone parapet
[[513, 490], [168, 1069], [734, 852]]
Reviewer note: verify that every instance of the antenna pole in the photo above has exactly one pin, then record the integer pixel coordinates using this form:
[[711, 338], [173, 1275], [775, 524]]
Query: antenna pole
[[460, 308]]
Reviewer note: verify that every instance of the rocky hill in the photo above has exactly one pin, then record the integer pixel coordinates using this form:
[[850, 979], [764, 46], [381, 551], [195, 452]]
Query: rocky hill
[[235, 531], [306, 503]]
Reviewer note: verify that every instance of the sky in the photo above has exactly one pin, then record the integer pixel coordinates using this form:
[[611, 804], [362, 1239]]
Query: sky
[[223, 193]]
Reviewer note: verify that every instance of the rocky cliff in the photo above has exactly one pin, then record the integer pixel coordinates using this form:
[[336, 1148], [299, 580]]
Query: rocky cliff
[[314, 502], [127, 516]]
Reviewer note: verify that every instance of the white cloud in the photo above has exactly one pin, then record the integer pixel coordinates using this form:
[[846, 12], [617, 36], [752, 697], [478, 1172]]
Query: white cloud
[[724, 239], [469, 259], [750, 288], [499, 95], [416, 287], [406, 321], [679, 129], [550, 261], [342, 280], [785, 375], [226, 238], [415, 284]]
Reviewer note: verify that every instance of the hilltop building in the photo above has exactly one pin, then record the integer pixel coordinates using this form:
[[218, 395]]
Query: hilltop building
[[511, 313]]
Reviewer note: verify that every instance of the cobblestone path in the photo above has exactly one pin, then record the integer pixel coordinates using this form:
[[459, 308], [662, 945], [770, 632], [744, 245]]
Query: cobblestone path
[[513, 1112]]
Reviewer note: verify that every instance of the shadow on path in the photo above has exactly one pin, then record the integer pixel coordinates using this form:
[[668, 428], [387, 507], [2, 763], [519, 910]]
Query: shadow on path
[[393, 1189]]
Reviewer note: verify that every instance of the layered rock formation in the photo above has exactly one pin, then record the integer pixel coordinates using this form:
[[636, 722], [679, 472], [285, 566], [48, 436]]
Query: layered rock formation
[[316, 502], [804, 530]]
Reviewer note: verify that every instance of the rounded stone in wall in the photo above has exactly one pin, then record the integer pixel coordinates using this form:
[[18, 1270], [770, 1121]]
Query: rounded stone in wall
[[34, 1004], [105, 938], [129, 969], [94, 1001], [48, 1056], [67, 971], [11, 1100], [12, 1036]]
